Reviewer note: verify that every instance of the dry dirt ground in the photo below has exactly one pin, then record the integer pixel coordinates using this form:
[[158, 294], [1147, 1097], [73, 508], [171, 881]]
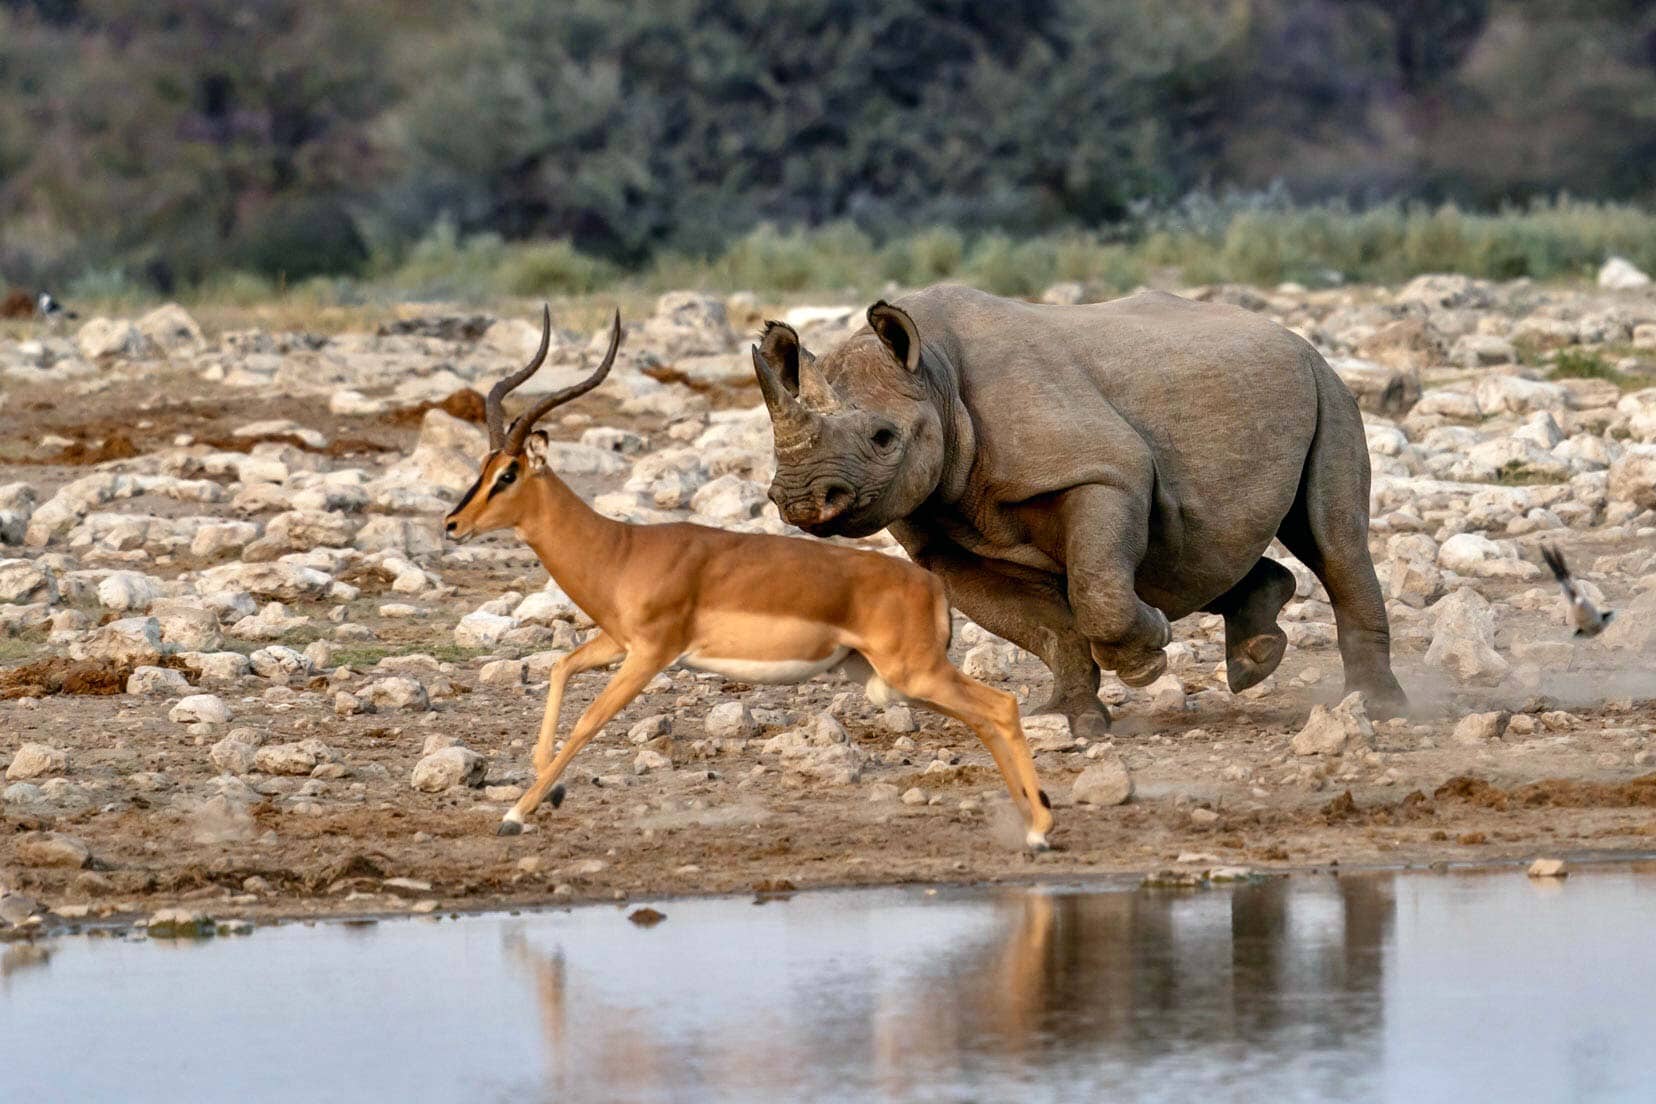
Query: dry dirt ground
[[1215, 781]]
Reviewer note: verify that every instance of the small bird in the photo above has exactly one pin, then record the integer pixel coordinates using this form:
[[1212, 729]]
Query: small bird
[[51, 310], [1587, 618]]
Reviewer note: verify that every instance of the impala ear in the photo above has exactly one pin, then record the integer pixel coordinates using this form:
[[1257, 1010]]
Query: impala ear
[[534, 450], [894, 327]]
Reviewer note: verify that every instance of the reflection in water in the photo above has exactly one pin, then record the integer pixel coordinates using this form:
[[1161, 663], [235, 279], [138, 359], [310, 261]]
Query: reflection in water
[[1311, 988], [23, 956], [1044, 979]]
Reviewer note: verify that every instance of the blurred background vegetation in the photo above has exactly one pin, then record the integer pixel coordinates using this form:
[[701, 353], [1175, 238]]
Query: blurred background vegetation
[[234, 148]]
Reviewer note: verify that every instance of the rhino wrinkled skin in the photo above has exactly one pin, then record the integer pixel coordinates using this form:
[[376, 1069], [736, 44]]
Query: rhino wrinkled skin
[[1080, 475]]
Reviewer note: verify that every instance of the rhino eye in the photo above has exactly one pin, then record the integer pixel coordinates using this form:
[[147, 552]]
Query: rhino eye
[[884, 438]]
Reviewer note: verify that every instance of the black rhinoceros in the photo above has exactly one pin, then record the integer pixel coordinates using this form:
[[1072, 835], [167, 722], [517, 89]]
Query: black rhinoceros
[[1079, 475]]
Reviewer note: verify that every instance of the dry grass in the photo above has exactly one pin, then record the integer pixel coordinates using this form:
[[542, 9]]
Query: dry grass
[[1262, 245]]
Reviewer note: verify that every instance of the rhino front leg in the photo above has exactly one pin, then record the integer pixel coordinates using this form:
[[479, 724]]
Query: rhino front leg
[[1031, 611], [1106, 530]]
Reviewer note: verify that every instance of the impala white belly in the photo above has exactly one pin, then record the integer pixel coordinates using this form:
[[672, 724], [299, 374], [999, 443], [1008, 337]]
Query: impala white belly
[[768, 671]]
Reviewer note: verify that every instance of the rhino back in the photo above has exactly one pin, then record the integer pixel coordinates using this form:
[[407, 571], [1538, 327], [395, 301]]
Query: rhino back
[[1223, 403]]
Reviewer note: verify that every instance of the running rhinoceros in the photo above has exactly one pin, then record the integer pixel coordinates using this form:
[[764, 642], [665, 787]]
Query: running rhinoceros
[[1079, 475]]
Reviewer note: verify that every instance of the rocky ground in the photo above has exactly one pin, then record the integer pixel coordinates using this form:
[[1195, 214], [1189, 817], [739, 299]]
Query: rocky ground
[[245, 676]]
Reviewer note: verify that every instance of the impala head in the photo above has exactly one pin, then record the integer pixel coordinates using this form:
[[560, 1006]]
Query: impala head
[[859, 441], [518, 451]]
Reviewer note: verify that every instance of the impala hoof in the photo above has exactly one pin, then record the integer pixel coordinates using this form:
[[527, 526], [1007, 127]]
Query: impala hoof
[[556, 796], [510, 828]]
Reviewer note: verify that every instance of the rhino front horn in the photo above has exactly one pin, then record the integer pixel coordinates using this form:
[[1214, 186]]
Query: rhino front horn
[[791, 423]]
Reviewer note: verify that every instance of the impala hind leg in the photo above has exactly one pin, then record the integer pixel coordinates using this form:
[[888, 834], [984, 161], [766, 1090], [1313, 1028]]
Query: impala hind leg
[[879, 693], [637, 669], [993, 716], [600, 651]]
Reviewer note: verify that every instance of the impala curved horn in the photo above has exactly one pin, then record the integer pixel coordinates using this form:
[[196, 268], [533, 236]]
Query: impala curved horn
[[495, 414], [520, 428]]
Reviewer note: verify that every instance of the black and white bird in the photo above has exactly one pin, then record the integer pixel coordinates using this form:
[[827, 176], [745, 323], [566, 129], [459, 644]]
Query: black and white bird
[[51, 310], [1587, 618]]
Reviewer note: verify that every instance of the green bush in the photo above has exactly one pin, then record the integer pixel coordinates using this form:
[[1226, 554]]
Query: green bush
[[445, 265], [175, 139], [1582, 364], [552, 269], [1245, 240], [237, 288]]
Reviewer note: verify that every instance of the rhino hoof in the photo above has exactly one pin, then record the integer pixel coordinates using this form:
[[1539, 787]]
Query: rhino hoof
[[1386, 703], [1146, 673], [1091, 725], [1252, 662]]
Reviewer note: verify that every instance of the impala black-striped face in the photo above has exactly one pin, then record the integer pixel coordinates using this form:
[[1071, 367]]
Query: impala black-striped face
[[486, 504]]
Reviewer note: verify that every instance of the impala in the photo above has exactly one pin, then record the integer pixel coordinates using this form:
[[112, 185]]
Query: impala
[[754, 607]]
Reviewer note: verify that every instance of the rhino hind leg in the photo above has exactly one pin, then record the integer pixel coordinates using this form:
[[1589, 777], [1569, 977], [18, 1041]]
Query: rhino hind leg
[[1254, 643], [1327, 529], [1075, 679]]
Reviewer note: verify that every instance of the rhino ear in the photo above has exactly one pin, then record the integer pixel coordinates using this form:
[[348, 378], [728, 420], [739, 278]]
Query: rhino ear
[[894, 327], [779, 345]]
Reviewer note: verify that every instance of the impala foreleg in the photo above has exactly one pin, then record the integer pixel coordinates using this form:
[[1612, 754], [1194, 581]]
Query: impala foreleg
[[600, 651], [637, 669]]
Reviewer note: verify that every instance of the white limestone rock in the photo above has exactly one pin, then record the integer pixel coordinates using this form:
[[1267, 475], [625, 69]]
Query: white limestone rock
[[279, 662], [1478, 729], [113, 339], [131, 640], [730, 720], [1346, 727], [234, 755], [1463, 639], [37, 760], [1106, 781], [483, 630], [545, 606], [1633, 477], [728, 499], [200, 709], [1478, 557], [25, 581], [171, 329], [397, 693], [187, 627], [272, 622], [1621, 274], [448, 767], [129, 590], [157, 682], [278, 581]]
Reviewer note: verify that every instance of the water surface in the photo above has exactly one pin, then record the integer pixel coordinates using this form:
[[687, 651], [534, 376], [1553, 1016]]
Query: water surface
[[1386, 987]]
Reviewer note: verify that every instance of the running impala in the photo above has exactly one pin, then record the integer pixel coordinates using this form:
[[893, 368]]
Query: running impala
[[759, 608]]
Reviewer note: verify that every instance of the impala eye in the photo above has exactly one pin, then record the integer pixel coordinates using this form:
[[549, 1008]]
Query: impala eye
[[507, 477]]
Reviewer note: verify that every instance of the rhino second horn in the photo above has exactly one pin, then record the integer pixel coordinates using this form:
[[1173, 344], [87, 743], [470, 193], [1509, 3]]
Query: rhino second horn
[[814, 389]]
